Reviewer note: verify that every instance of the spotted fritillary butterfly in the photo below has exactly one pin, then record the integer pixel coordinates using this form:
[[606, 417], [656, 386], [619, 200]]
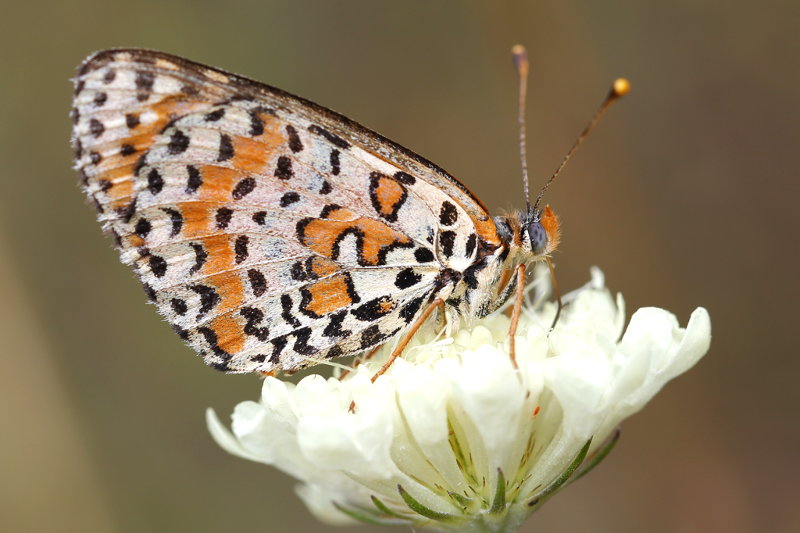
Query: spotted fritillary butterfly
[[273, 233]]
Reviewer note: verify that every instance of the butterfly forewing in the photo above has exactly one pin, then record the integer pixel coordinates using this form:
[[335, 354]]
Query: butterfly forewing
[[270, 232]]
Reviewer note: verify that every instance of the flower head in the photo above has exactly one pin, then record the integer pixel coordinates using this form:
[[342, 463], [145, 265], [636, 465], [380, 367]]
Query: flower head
[[453, 437]]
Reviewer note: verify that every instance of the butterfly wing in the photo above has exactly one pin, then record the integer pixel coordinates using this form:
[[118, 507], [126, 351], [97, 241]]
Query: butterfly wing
[[270, 232]]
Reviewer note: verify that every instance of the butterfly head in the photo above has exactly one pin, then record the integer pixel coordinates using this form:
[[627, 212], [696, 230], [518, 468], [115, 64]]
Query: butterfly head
[[542, 231]]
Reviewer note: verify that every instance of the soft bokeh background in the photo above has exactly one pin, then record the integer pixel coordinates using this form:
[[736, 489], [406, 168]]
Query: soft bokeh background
[[686, 195]]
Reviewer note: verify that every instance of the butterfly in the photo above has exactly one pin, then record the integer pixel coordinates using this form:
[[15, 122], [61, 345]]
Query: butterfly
[[273, 233]]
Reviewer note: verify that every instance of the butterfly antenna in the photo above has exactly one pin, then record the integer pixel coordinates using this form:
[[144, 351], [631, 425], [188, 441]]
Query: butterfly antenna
[[619, 88], [520, 57]]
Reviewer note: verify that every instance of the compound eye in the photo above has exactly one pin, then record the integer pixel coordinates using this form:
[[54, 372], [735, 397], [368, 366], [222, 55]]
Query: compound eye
[[538, 238]]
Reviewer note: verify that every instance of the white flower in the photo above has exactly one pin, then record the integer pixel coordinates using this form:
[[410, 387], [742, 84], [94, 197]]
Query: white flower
[[453, 437]]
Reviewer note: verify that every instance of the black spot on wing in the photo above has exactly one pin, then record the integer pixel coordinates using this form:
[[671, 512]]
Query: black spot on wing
[[470, 246], [301, 345], [208, 298], [154, 182], [178, 142], [176, 220], [283, 169], [226, 151], [409, 310], [289, 198], [447, 240], [374, 309], [96, 128], [148, 290], [407, 278], [243, 188], [223, 217], [142, 227], [179, 306], [333, 139], [278, 344], [260, 217], [471, 275], [200, 257], [126, 149], [405, 178], [158, 266], [100, 99], [194, 180], [126, 212], [286, 305], [297, 271], [334, 351], [373, 336], [257, 282], [256, 122], [448, 215], [334, 328], [215, 115], [240, 248], [423, 255], [336, 166], [131, 120], [254, 317], [144, 84], [295, 145]]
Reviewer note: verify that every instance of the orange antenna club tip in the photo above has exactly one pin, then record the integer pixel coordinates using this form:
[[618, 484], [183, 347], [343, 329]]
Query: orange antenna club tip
[[620, 87]]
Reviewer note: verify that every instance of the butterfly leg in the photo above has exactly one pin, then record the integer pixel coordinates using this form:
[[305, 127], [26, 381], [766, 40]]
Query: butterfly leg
[[359, 361], [515, 314], [404, 340], [556, 290], [408, 335]]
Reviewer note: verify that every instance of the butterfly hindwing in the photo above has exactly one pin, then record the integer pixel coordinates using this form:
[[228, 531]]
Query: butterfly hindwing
[[271, 233]]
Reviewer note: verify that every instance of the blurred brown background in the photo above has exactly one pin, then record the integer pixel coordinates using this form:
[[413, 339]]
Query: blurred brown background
[[685, 196]]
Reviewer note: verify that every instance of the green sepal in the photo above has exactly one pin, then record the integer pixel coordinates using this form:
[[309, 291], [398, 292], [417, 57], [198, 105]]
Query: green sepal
[[460, 499], [598, 456], [362, 517], [499, 501], [420, 509], [382, 507], [563, 478]]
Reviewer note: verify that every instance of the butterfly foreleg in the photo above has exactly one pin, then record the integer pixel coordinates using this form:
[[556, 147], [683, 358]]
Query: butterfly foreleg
[[408, 335], [404, 340], [515, 313], [358, 361], [556, 291]]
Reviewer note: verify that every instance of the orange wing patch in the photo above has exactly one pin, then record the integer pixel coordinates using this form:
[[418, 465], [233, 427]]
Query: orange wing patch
[[118, 169], [229, 334], [253, 154], [321, 267], [374, 239], [328, 295], [387, 194]]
